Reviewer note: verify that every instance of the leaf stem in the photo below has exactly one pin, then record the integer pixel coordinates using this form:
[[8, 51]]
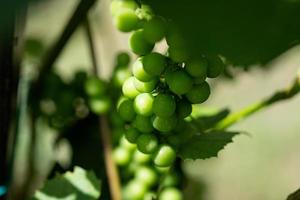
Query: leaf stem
[[279, 96]]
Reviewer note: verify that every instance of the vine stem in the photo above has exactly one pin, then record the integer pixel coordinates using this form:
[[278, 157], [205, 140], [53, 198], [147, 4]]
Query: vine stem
[[279, 96], [105, 132]]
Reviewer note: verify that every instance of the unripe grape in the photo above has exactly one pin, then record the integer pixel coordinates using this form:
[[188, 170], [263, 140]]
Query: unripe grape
[[199, 93], [164, 124], [129, 89], [117, 5], [154, 29], [138, 44], [154, 63], [127, 145], [147, 175], [141, 158], [178, 54], [170, 193], [145, 86], [100, 105], [131, 134], [121, 156], [183, 108], [165, 156], [171, 179], [120, 76], [164, 105], [150, 196], [139, 72], [123, 59], [147, 143], [95, 87], [143, 104], [215, 66], [197, 68], [179, 82], [126, 20], [126, 110], [143, 124], [135, 190]]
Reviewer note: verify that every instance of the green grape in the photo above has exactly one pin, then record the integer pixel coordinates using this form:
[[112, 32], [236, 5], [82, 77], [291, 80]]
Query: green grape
[[154, 29], [120, 76], [95, 87], [127, 145], [170, 193], [179, 82], [131, 134], [162, 170], [165, 156], [147, 175], [147, 143], [154, 63], [100, 105], [123, 59], [199, 93], [129, 89], [117, 5], [164, 105], [197, 68], [143, 124], [143, 104], [171, 179], [138, 44], [121, 156], [183, 108], [141, 158], [145, 86], [135, 190], [215, 66], [126, 110], [139, 72], [150, 196], [126, 20], [178, 54], [164, 124]]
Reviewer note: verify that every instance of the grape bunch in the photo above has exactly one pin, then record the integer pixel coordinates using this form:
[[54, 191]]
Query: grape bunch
[[159, 96]]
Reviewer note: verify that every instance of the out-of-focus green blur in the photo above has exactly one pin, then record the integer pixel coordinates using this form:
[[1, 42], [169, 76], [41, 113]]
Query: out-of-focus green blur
[[261, 165]]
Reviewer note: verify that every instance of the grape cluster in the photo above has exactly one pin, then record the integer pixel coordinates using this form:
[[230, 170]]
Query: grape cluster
[[159, 96]]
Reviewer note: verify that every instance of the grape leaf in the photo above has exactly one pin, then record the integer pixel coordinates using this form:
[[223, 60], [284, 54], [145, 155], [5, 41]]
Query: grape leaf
[[246, 32], [80, 184], [205, 145]]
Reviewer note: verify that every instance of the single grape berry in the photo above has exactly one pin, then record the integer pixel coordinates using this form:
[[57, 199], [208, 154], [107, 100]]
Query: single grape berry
[[197, 68], [179, 82], [170, 193], [126, 20], [154, 63], [95, 87], [129, 89], [199, 93], [120, 76], [138, 44], [183, 108], [164, 105], [123, 59], [178, 54], [143, 124], [135, 190], [100, 105], [154, 29], [164, 124], [145, 86], [147, 143], [141, 158], [165, 156], [121, 156], [143, 104], [131, 134], [215, 66], [126, 110], [139, 72], [147, 175]]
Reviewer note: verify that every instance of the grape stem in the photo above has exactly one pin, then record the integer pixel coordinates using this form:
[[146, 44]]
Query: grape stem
[[105, 132], [279, 96]]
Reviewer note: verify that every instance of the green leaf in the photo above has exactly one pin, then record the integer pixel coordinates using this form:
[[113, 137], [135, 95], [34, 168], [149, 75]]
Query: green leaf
[[246, 32], [80, 184], [205, 145], [295, 195]]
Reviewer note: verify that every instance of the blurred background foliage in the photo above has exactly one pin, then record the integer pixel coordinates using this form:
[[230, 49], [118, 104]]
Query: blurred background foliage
[[262, 166]]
